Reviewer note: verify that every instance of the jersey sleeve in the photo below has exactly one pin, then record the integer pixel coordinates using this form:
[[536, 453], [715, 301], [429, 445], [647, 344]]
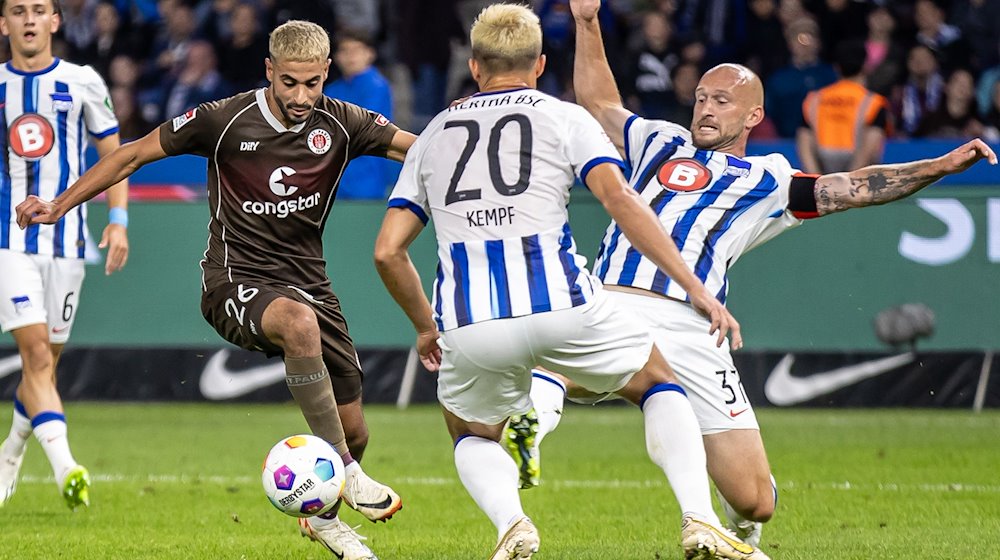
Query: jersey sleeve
[[371, 133], [98, 113], [409, 192], [587, 145], [190, 133]]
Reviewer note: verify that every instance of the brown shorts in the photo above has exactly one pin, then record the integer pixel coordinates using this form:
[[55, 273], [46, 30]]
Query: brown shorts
[[235, 310]]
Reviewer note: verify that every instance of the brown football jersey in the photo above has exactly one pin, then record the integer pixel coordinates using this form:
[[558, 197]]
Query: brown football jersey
[[271, 188]]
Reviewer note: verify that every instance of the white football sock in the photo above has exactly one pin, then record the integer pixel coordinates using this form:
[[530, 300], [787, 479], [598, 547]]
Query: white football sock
[[490, 476], [673, 441], [20, 431], [52, 435], [547, 395]]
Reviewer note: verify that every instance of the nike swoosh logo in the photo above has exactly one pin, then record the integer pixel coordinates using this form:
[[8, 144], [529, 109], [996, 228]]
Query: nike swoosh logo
[[733, 414], [784, 390], [381, 505], [218, 382], [9, 365], [58, 330]]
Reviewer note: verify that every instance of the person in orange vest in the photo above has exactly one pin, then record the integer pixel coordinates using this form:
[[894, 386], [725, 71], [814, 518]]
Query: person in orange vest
[[846, 124]]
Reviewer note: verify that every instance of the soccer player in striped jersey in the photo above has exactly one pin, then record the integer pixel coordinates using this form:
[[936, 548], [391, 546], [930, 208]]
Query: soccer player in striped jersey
[[50, 110], [717, 203], [494, 172]]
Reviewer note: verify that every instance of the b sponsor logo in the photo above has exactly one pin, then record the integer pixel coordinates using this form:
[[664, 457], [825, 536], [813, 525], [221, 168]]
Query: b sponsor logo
[[684, 175], [319, 141], [182, 120], [31, 136]]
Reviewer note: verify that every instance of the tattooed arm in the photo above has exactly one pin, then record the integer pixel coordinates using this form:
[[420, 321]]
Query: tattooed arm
[[879, 184]]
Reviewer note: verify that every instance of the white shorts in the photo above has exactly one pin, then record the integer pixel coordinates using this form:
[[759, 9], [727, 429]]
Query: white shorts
[[39, 289], [706, 372], [485, 373]]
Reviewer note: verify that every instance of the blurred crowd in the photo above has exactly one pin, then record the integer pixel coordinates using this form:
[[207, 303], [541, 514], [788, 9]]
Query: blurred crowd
[[936, 61]]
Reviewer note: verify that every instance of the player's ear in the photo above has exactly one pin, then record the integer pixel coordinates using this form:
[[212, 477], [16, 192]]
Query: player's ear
[[326, 70], [269, 69], [540, 65], [56, 21], [474, 69], [755, 116]]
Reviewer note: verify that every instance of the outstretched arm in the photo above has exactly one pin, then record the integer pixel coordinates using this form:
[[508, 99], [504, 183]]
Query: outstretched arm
[[109, 170], [879, 184], [592, 78], [401, 142]]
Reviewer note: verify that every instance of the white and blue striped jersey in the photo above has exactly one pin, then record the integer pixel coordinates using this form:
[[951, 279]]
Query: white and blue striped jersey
[[495, 172], [714, 205], [45, 117]]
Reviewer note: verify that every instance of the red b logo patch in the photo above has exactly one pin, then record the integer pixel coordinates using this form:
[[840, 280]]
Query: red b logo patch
[[31, 136], [684, 175]]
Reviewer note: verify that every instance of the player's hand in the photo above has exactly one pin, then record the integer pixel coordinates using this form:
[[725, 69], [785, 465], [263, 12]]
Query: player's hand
[[585, 10], [722, 321], [115, 240], [428, 349], [966, 155], [36, 211]]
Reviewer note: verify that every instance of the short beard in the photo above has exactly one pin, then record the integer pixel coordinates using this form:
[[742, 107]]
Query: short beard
[[288, 116]]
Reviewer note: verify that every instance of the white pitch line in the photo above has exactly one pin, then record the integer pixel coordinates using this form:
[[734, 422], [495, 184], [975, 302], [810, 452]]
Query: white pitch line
[[789, 485]]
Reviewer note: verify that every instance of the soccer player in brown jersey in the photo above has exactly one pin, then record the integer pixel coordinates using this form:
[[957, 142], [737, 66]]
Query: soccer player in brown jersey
[[275, 159]]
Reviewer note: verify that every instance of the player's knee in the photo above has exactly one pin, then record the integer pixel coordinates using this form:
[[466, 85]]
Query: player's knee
[[299, 331], [36, 356]]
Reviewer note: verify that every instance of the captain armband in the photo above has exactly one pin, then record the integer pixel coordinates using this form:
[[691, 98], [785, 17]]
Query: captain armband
[[802, 196]]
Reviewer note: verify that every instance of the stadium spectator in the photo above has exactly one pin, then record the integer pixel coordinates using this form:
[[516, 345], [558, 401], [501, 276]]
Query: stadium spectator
[[171, 44], [362, 84], [921, 94], [484, 363], [984, 87], [840, 21], [944, 40], [110, 39], [647, 84], [992, 120], [884, 63], [787, 88], [240, 54], [720, 25], [979, 22], [766, 50], [214, 21], [77, 27], [424, 35], [681, 100], [271, 265], [956, 115], [131, 124], [846, 124], [199, 81]]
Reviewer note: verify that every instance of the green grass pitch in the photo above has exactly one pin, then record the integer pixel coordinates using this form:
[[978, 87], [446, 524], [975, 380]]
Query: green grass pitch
[[182, 482]]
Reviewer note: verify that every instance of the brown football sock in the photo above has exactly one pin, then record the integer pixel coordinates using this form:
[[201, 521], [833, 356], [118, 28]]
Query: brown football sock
[[310, 385]]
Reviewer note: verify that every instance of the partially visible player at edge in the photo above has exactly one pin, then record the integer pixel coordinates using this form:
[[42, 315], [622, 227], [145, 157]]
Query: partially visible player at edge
[[47, 108], [275, 159], [717, 203], [494, 172]]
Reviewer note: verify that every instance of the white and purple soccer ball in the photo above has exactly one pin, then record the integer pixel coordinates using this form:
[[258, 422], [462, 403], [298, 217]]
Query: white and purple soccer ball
[[303, 476]]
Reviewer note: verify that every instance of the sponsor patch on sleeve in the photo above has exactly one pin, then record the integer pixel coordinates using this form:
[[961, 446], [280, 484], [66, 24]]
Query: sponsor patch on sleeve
[[184, 119], [381, 120]]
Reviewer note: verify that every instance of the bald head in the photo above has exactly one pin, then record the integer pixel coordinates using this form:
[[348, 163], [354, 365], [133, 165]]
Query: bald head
[[745, 83], [728, 104]]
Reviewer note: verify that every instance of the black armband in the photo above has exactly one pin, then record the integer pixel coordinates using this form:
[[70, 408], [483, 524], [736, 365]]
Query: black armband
[[802, 196]]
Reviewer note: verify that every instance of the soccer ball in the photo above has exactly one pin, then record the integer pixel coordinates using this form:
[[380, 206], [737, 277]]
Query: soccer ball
[[303, 476]]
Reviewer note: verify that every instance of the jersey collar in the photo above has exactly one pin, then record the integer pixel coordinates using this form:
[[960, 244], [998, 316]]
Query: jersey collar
[[55, 62], [270, 118]]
